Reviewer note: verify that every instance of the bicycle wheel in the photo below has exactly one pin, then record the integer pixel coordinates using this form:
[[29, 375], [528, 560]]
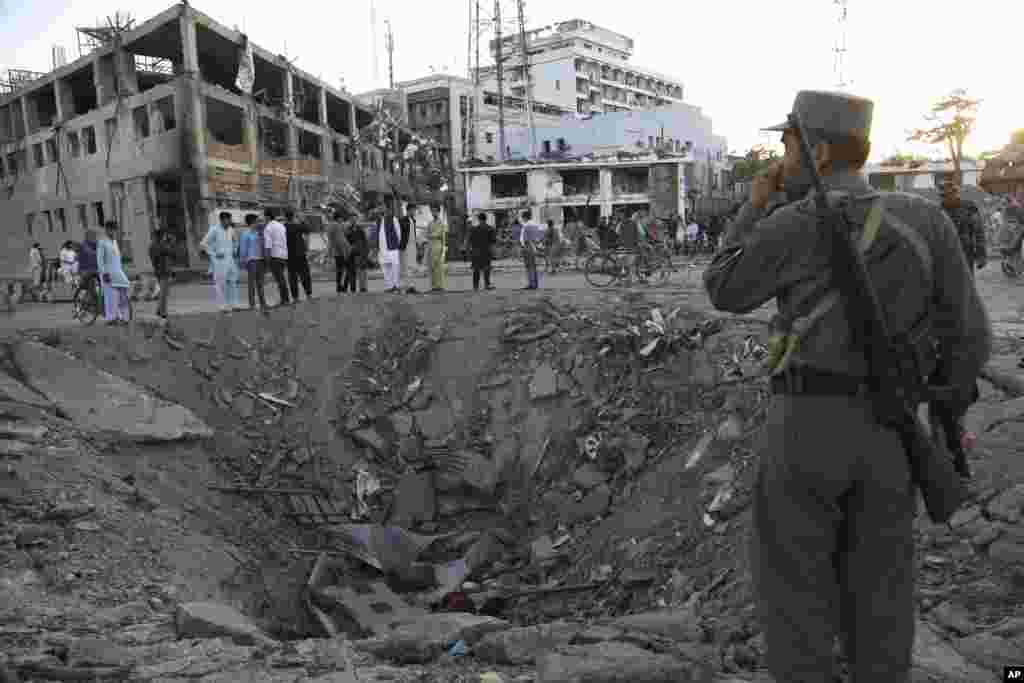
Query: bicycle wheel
[[85, 306], [601, 270]]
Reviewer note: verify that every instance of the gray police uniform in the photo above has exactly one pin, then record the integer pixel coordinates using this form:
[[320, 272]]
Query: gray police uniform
[[834, 503]]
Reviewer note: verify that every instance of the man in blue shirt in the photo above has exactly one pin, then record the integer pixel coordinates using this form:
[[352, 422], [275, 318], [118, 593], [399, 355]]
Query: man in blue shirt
[[252, 259]]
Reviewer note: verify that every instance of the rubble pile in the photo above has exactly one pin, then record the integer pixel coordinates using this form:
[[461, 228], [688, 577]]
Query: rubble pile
[[580, 514]]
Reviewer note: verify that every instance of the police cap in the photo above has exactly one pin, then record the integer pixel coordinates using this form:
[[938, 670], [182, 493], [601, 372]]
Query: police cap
[[832, 115]]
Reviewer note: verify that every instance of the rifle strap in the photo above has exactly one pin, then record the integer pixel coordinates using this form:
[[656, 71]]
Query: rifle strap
[[781, 347]]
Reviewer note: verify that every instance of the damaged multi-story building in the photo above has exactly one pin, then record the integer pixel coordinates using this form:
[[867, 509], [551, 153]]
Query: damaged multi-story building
[[168, 122]]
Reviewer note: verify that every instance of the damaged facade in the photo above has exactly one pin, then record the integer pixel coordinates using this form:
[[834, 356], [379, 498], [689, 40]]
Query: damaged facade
[[167, 123], [580, 190]]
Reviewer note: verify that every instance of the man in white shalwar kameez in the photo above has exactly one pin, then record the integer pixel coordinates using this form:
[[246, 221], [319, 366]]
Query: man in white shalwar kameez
[[389, 250]]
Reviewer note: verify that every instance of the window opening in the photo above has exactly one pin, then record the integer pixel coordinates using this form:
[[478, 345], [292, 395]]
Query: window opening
[[89, 139], [140, 120]]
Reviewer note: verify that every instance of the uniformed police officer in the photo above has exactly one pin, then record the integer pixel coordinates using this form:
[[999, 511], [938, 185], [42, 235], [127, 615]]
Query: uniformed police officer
[[966, 217], [834, 503]]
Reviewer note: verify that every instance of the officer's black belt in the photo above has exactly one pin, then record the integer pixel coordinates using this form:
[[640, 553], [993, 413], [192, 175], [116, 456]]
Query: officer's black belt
[[812, 382]]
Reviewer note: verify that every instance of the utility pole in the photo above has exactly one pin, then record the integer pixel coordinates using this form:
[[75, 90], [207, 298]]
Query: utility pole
[[840, 48], [477, 97], [526, 75], [373, 43], [501, 88], [390, 44]]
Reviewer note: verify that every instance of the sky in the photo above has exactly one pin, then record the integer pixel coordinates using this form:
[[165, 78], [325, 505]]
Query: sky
[[741, 61]]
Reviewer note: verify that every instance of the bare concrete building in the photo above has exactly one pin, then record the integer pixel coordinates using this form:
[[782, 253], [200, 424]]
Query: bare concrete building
[[165, 124]]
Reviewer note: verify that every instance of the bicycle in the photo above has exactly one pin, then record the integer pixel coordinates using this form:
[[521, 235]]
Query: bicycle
[[608, 266], [87, 303]]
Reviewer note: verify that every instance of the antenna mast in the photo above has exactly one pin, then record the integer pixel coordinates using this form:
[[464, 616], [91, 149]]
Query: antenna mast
[[526, 76], [499, 59], [389, 39], [470, 146], [840, 48], [373, 42]]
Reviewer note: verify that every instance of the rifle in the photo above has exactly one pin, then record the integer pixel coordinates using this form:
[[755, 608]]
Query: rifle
[[896, 380]]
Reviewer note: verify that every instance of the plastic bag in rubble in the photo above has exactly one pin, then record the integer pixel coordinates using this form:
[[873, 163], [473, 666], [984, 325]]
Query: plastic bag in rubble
[[366, 485]]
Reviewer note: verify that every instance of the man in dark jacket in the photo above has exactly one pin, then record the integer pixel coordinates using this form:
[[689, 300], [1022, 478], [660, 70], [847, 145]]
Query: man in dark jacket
[[359, 255], [298, 261], [407, 224], [337, 240], [969, 225], [481, 241], [88, 267], [161, 253]]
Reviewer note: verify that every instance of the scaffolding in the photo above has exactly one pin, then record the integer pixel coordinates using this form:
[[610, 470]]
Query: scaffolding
[[16, 79]]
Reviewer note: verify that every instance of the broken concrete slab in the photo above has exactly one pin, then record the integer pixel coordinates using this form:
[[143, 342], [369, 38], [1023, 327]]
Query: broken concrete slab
[[24, 432], [593, 504], [244, 406], [613, 662], [678, 624], [518, 646], [427, 638], [371, 438], [436, 422], [372, 606], [989, 651], [211, 620], [1008, 506], [389, 549], [937, 657], [415, 499], [13, 390], [450, 627], [588, 476], [99, 401], [474, 472], [403, 424], [544, 383]]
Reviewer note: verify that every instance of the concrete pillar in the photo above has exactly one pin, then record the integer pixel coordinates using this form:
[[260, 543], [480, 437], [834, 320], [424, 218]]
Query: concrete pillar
[[326, 141], [98, 84], [292, 136], [25, 108], [65, 108], [197, 191], [127, 76], [322, 103], [352, 119], [605, 176]]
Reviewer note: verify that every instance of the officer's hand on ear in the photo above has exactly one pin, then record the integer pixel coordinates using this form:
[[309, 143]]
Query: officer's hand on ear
[[765, 185]]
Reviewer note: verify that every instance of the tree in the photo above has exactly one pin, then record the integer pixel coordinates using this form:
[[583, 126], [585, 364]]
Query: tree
[[1017, 137], [951, 120], [753, 162]]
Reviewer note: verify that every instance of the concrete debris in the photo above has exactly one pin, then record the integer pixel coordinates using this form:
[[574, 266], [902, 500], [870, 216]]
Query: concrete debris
[[77, 388], [388, 549], [519, 646], [13, 390], [427, 638], [211, 620], [23, 432], [545, 383], [1008, 506], [371, 606], [682, 625], [415, 499], [614, 662]]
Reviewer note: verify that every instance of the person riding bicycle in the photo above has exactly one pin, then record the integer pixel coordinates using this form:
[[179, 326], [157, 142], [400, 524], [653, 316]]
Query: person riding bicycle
[[88, 266], [629, 242]]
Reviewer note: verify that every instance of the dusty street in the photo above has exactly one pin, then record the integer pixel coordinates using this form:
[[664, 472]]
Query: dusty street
[[547, 486]]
